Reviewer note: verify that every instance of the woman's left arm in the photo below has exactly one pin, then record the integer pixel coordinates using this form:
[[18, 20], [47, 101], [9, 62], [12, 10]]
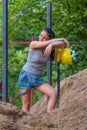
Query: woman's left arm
[[51, 46], [58, 43]]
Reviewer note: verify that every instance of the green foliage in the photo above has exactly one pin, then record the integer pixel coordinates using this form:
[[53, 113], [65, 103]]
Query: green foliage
[[17, 57], [27, 18], [0, 21]]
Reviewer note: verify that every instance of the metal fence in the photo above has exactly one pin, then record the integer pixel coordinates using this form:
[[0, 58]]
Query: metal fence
[[15, 67]]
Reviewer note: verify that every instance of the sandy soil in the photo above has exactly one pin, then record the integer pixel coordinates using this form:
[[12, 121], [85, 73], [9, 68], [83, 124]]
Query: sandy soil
[[70, 115]]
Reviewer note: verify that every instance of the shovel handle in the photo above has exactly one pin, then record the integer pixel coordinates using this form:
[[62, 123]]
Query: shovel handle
[[14, 98]]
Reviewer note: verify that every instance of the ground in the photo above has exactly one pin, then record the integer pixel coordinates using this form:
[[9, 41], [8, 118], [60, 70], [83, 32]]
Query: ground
[[70, 115]]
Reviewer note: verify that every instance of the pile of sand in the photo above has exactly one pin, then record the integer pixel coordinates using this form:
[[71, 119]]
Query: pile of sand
[[70, 115]]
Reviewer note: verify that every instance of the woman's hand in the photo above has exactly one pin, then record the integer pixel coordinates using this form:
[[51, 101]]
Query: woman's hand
[[48, 50], [66, 43]]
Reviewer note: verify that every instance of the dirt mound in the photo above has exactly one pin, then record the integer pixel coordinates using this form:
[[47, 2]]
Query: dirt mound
[[70, 115]]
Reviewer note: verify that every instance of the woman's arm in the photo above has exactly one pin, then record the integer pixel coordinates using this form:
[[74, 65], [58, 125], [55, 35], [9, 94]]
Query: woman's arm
[[50, 47], [39, 44], [44, 44], [58, 43]]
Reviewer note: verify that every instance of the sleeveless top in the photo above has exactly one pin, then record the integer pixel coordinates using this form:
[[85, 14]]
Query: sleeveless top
[[35, 62]]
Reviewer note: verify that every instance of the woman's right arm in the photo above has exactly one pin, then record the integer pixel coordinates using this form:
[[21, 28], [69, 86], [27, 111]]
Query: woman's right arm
[[43, 44], [39, 44]]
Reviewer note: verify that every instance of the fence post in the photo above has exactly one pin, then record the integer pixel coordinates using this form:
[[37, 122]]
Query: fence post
[[5, 50], [49, 24], [49, 63]]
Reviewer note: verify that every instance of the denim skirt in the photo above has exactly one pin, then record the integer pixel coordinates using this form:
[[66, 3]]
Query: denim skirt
[[28, 80]]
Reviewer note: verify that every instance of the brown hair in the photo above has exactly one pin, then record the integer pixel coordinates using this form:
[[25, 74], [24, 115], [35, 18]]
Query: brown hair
[[50, 32]]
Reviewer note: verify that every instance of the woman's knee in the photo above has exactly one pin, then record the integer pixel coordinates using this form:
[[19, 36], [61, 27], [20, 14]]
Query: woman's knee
[[54, 94]]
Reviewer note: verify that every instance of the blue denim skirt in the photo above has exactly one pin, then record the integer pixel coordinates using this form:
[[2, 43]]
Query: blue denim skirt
[[28, 80]]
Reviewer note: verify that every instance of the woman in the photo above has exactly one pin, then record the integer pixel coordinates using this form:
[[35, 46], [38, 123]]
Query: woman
[[31, 74]]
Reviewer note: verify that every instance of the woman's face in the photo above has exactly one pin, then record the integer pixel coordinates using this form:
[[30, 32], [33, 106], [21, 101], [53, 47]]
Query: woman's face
[[43, 36]]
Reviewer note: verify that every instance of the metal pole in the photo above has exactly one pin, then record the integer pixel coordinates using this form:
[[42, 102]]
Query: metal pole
[[5, 50], [49, 24], [58, 83]]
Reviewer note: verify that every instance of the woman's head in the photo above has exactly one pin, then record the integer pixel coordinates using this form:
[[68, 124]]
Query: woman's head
[[50, 32], [46, 34]]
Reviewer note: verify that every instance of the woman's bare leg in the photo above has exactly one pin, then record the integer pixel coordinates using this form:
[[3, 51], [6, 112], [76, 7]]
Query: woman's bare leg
[[25, 101], [51, 92]]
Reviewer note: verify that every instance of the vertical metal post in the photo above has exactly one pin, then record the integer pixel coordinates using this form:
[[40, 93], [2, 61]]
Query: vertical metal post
[[5, 49], [58, 83], [49, 24]]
